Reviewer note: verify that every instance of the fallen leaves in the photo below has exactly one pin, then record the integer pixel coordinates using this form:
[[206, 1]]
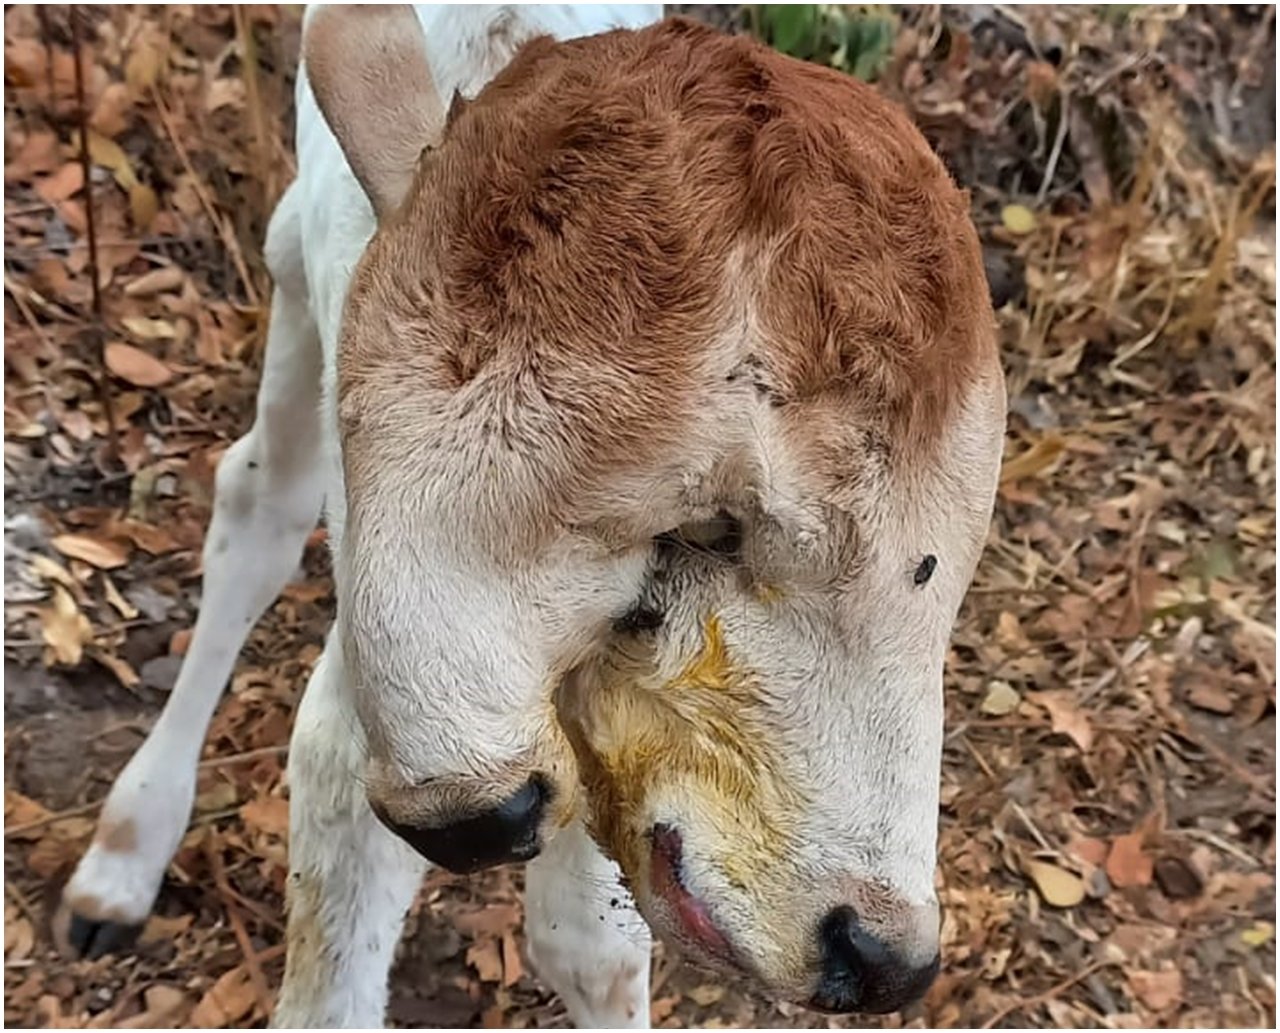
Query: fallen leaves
[[135, 366], [1035, 460], [103, 553], [64, 629], [1159, 991], [1056, 885], [1001, 699], [267, 814], [227, 1001], [1018, 219], [1128, 863]]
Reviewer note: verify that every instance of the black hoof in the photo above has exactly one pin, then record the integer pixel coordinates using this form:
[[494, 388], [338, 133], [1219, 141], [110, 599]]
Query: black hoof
[[90, 938]]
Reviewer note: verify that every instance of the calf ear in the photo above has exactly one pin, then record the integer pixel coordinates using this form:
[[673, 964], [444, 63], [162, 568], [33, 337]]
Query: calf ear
[[367, 66]]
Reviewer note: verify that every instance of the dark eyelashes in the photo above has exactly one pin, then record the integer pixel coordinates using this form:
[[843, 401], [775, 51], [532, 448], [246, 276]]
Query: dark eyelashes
[[639, 618]]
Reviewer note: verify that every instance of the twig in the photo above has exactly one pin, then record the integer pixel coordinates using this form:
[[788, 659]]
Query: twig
[[251, 961], [253, 101], [1064, 99], [245, 757], [24, 905], [1048, 995], [206, 202], [49, 819], [99, 336]]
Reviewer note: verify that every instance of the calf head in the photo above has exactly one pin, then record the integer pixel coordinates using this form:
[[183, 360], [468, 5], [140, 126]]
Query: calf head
[[671, 420]]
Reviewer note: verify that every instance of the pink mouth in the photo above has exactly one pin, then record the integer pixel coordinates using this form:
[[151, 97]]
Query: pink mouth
[[667, 880]]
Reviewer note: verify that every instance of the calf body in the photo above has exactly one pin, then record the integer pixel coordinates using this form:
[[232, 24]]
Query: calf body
[[651, 397]]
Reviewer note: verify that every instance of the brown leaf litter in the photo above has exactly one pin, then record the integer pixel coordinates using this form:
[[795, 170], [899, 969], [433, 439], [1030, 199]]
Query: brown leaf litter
[[1108, 821]]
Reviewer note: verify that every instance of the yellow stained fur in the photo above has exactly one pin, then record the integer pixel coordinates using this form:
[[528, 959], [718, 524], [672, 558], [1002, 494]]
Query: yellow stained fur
[[693, 739]]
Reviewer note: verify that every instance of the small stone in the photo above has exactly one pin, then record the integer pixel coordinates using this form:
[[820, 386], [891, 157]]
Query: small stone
[[1177, 879]]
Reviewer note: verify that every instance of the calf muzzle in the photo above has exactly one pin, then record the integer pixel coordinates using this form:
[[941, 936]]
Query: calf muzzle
[[503, 834]]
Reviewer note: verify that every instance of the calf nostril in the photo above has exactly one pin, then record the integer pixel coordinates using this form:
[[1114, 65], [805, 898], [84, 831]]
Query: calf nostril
[[501, 835], [863, 973]]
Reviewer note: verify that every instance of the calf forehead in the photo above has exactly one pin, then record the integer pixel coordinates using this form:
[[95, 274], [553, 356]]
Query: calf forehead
[[610, 211]]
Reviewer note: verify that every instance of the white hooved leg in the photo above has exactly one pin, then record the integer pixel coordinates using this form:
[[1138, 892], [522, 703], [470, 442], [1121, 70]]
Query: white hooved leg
[[351, 882], [586, 939], [267, 499]]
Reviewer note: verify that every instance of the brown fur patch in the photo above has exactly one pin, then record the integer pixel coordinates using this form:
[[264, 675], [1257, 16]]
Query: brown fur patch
[[119, 837], [593, 223]]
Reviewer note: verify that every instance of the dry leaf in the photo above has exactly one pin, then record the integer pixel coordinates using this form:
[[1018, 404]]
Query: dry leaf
[[136, 366], [164, 1005], [1157, 990], [110, 155], [1066, 716], [125, 674], [1001, 699], [62, 184], [52, 570], [19, 938], [512, 966], [64, 629], [485, 956], [229, 999], [143, 68], [1212, 698], [1018, 219], [1038, 458], [146, 329], [148, 537], [158, 281], [268, 814], [1258, 934], [143, 206], [1127, 863], [707, 994], [22, 810], [224, 92], [118, 602], [103, 553], [1058, 887], [160, 928]]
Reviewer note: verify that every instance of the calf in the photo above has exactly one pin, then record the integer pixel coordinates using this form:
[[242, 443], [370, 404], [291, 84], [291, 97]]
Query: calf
[[649, 385]]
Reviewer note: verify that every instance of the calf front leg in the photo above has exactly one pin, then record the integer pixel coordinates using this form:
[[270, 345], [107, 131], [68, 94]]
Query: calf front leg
[[351, 882], [586, 939], [267, 499]]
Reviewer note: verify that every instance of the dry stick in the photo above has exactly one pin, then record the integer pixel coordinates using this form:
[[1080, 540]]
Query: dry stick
[[46, 37], [1048, 995], [251, 960], [99, 335], [49, 819], [253, 101], [206, 202], [89, 808], [245, 757]]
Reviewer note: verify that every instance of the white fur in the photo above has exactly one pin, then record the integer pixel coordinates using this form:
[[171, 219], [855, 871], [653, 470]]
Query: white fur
[[451, 628], [270, 487]]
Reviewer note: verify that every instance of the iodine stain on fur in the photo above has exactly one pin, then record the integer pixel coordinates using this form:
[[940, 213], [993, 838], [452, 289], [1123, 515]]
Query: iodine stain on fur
[[691, 741]]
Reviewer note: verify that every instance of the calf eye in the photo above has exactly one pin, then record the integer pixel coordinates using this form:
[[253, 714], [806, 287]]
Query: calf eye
[[637, 619], [720, 536], [925, 570]]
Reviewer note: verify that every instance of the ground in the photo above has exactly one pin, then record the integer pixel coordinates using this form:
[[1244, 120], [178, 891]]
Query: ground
[[1108, 821]]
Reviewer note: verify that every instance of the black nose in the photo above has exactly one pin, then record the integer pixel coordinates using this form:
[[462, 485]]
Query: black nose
[[508, 832], [860, 972]]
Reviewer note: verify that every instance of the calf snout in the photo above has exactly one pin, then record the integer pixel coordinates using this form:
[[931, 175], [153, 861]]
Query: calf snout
[[469, 840], [864, 972]]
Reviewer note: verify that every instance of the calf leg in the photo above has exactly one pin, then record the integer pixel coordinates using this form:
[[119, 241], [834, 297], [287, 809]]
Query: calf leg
[[586, 940], [351, 881], [267, 499]]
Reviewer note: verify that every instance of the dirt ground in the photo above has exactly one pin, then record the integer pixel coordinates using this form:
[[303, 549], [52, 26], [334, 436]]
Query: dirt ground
[[1108, 821]]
